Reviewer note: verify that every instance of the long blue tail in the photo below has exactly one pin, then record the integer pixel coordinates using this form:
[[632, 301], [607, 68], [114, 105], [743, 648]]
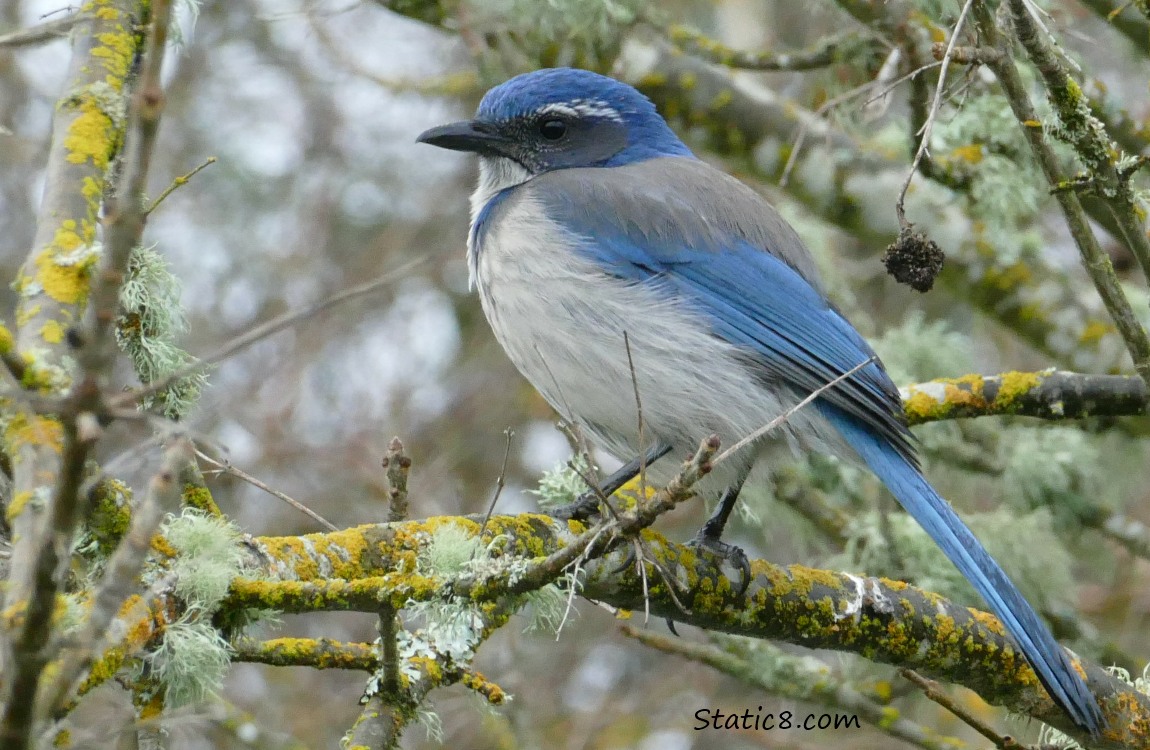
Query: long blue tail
[[948, 531]]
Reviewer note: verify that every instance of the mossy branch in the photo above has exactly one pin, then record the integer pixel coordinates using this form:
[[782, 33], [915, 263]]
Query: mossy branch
[[884, 620], [1049, 394]]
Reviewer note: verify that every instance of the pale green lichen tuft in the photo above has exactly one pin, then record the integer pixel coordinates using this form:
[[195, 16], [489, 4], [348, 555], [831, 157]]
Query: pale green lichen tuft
[[564, 484], [191, 662], [209, 556], [449, 550], [151, 319], [548, 609]]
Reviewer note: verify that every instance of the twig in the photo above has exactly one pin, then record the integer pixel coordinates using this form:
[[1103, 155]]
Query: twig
[[782, 418], [45, 32], [824, 53], [638, 415], [500, 481], [1136, 29], [1086, 135], [178, 183], [840, 99], [396, 464], [934, 691], [227, 468], [587, 545], [263, 330], [928, 126]]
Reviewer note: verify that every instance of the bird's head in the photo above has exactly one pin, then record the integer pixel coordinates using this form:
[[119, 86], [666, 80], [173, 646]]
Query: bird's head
[[559, 118]]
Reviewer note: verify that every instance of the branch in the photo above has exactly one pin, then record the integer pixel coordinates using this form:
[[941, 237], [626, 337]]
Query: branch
[[885, 620], [1050, 394], [53, 282], [57, 279], [119, 580], [317, 653], [49, 31]]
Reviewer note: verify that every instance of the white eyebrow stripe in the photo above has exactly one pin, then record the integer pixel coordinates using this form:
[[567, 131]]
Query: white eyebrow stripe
[[584, 107]]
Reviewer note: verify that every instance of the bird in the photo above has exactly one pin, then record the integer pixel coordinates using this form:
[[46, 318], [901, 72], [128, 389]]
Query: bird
[[611, 261]]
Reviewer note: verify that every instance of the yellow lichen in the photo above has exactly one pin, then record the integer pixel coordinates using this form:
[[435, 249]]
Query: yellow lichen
[[90, 136], [35, 430], [64, 269], [52, 332], [1015, 384]]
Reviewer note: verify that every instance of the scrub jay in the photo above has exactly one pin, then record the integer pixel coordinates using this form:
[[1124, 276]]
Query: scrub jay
[[609, 258]]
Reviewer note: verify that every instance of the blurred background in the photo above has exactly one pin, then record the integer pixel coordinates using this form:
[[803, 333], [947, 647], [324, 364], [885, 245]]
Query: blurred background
[[312, 109]]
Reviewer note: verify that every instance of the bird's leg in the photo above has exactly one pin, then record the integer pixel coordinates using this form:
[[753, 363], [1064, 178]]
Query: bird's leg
[[588, 503], [709, 537]]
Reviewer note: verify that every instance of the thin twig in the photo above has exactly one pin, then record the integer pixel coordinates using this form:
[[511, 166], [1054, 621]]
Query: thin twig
[[840, 99], [928, 126], [178, 183], [782, 418], [934, 691], [823, 53], [227, 468], [500, 481], [638, 415]]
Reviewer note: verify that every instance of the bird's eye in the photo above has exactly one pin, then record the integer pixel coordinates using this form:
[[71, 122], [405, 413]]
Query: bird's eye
[[552, 130]]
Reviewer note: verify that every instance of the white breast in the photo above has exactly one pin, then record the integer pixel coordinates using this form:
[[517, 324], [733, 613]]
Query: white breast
[[567, 327]]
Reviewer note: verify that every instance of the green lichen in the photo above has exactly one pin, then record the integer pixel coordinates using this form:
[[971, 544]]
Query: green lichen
[[151, 320]]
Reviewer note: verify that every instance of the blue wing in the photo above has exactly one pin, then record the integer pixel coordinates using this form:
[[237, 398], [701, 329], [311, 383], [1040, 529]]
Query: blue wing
[[748, 275]]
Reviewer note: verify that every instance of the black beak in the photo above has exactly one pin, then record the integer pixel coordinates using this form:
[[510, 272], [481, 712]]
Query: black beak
[[475, 136]]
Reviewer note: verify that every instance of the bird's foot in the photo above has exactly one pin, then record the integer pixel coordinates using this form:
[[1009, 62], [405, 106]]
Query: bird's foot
[[585, 507], [714, 546]]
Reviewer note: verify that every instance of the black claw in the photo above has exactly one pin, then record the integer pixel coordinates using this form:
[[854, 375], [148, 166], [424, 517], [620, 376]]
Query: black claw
[[728, 552], [628, 561], [671, 627]]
